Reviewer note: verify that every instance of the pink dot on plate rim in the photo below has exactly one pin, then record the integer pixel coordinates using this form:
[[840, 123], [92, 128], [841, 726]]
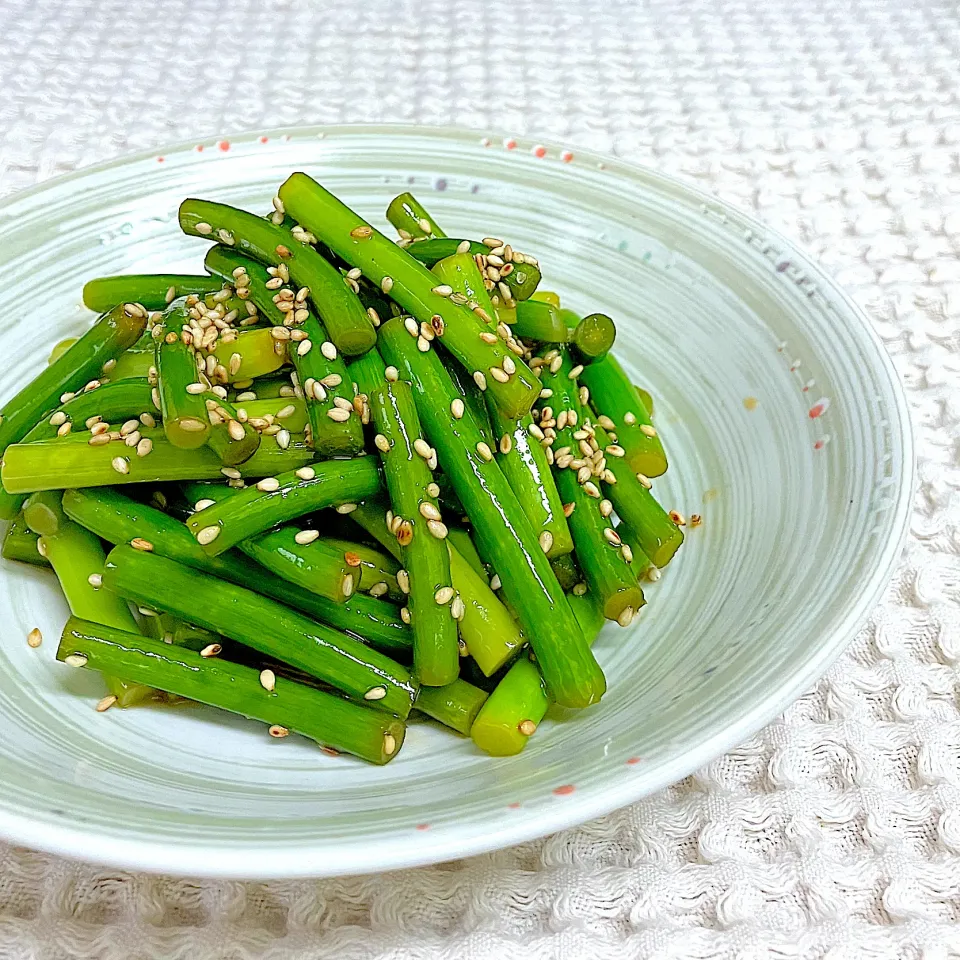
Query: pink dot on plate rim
[[819, 408], [199, 148], [161, 159], [263, 139], [632, 760], [510, 143], [539, 151], [223, 145], [566, 156], [514, 806], [423, 826], [564, 791]]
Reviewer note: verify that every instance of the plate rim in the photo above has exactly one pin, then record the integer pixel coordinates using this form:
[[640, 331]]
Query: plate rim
[[420, 849]]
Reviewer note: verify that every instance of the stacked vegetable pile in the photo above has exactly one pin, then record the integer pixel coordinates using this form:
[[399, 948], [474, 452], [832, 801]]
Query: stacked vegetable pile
[[339, 478]]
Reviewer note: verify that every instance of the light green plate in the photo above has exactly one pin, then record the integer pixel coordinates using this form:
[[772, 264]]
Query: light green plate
[[787, 432]]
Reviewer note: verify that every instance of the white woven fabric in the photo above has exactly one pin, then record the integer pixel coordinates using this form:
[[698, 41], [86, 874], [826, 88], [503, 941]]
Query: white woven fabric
[[836, 831]]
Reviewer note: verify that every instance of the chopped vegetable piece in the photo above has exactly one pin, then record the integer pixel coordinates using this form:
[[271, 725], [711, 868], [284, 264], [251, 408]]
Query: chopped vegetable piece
[[613, 395], [410, 217], [151, 290], [455, 705], [330, 720]]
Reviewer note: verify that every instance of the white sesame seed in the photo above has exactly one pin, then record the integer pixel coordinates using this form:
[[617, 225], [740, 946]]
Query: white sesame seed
[[629, 419], [120, 464], [75, 660], [341, 416], [268, 484], [386, 284], [626, 617], [647, 430], [204, 228], [346, 508], [480, 379], [328, 350], [591, 490], [499, 375], [411, 326], [443, 290], [268, 680], [392, 374], [139, 543], [378, 589], [34, 638], [611, 536], [492, 242], [506, 443], [626, 553], [375, 693], [444, 595], [509, 366], [346, 588], [606, 508], [389, 741], [463, 246], [231, 472], [208, 535], [429, 511], [495, 583], [484, 451], [306, 473], [131, 440], [437, 529], [382, 443], [458, 608], [58, 418], [278, 732], [403, 580], [283, 439], [304, 537], [304, 347]]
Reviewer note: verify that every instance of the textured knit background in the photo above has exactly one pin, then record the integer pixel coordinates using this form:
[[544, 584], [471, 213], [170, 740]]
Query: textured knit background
[[836, 831]]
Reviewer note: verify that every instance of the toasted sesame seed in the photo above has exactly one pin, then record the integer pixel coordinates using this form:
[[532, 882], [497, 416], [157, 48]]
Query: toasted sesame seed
[[626, 553], [204, 228], [611, 536], [386, 284], [591, 490], [458, 608], [304, 347], [306, 473], [575, 372], [346, 588], [328, 350], [403, 580], [626, 616], [190, 425], [629, 419], [120, 464], [303, 537], [75, 660], [606, 508], [423, 344], [546, 541], [208, 534], [392, 374], [653, 574], [429, 511], [488, 337], [268, 484], [346, 508], [509, 366], [410, 325], [437, 529], [58, 419], [463, 246], [375, 693], [341, 416], [138, 543], [389, 742], [131, 440], [506, 443], [362, 232], [647, 430], [403, 530], [492, 242], [106, 703], [268, 680], [443, 290], [484, 451], [480, 379], [34, 638], [457, 408], [499, 375], [231, 473], [278, 732], [678, 518], [527, 727]]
